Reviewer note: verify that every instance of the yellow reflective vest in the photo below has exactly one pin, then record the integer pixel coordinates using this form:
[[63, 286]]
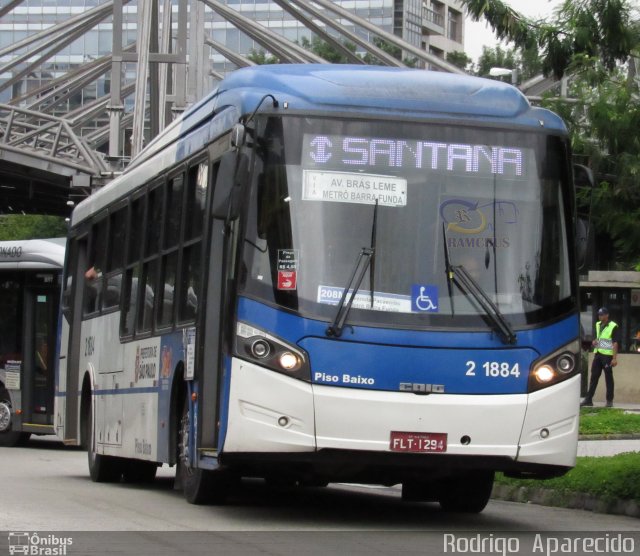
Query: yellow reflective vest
[[604, 338]]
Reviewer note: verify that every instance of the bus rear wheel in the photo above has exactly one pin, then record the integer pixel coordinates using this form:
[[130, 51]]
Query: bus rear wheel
[[468, 493], [199, 486], [9, 438], [102, 469]]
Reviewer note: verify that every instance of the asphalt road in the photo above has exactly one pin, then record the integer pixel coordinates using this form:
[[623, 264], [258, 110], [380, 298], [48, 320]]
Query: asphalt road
[[45, 487]]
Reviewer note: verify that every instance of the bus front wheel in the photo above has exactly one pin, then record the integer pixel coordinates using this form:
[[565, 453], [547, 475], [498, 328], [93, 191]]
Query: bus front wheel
[[199, 486], [8, 437], [468, 493]]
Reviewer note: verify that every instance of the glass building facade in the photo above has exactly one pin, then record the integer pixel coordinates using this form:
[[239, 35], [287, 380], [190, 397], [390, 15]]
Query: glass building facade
[[432, 25]]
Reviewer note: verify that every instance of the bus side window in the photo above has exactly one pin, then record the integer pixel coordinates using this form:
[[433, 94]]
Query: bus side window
[[132, 273], [132, 279], [95, 268], [147, 293], [166, 293], [115, 260], [190, 272]]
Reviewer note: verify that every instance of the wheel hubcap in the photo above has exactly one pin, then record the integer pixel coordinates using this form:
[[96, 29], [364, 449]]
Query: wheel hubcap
[[5, 416]]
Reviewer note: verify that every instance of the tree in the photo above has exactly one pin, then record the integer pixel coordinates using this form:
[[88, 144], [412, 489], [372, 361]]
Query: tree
[[459, 59], [497, 57], [31, 226], [392, 50], [261, 58], [526, 63], [327, 51], [596, 28], [591, 41], [604, 124]]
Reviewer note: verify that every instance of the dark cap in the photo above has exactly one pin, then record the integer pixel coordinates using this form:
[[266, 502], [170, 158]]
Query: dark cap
[[603, 311]]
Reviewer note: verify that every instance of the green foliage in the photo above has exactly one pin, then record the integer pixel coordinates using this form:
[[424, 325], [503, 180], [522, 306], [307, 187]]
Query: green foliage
[[326, 50], [607, 477], [261, 58], [390, 49], [497, 57], [526, 63], [459, 59], [31, 226], [602, 28], [608, 421], [589, 40], [604, 125]]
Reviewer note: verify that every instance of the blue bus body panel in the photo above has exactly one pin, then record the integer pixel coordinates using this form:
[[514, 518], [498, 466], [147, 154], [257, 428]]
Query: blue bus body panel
[[384, 359]]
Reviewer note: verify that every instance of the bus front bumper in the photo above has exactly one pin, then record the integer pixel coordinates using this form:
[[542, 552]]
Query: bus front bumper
[[284, 419]]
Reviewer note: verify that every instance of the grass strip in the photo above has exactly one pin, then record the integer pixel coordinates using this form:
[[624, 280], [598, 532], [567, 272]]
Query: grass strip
[[615, 477], [604, 420]]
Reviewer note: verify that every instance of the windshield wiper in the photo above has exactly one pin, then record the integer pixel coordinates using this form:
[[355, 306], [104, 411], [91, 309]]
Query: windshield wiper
[[447, 269], [458, 274], [366, 258], [362, 263]]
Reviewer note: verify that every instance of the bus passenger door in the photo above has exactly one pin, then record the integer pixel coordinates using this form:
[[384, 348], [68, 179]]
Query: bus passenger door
[[209, 342], [73, 291], [40, 336]]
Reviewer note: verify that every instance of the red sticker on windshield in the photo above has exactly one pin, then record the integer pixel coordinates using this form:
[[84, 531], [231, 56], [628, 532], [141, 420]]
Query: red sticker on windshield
[[287, 279]]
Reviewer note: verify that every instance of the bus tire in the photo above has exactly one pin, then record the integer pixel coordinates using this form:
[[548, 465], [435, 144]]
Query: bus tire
[[468, 493], [102, 469], [9, 438], [136, 471], [199, 486]]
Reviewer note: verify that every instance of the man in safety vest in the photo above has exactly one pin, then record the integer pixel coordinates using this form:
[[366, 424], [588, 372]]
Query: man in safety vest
[[606, 350]]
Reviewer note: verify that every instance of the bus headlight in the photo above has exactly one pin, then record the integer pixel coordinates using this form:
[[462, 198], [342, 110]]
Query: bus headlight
[[257, 346], [554, 368], [544, 374], [288, 361]]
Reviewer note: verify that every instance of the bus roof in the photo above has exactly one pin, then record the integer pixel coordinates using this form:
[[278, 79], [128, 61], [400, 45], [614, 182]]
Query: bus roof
[[376, 90], [341, 89], [37, 254]]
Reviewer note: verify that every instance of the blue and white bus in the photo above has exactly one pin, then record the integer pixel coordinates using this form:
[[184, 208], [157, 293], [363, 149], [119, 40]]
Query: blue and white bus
[[328, 273], [30, 281]]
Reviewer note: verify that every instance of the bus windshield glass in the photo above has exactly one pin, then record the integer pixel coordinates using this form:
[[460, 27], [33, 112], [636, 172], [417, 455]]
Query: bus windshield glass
[[325, 189]]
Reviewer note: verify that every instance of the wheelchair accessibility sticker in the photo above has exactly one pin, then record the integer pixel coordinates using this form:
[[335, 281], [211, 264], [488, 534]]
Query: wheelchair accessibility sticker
[[424, 298]]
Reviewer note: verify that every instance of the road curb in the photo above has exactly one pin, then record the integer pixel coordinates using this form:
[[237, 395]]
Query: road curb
[[558, 499], [626, 436]]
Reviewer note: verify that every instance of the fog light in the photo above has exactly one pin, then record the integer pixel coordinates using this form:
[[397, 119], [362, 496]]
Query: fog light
[[544, 374], [288, 361], [544, 433]]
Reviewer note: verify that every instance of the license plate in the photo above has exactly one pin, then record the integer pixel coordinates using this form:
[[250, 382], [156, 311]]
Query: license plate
[[431, 442]]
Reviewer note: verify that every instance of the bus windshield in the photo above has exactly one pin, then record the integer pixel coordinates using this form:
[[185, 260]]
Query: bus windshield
[[324, 189]]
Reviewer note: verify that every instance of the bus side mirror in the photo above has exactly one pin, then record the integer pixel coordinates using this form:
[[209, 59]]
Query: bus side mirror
[[584, 184], [232, 174], [582, 241], [583, 177]]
